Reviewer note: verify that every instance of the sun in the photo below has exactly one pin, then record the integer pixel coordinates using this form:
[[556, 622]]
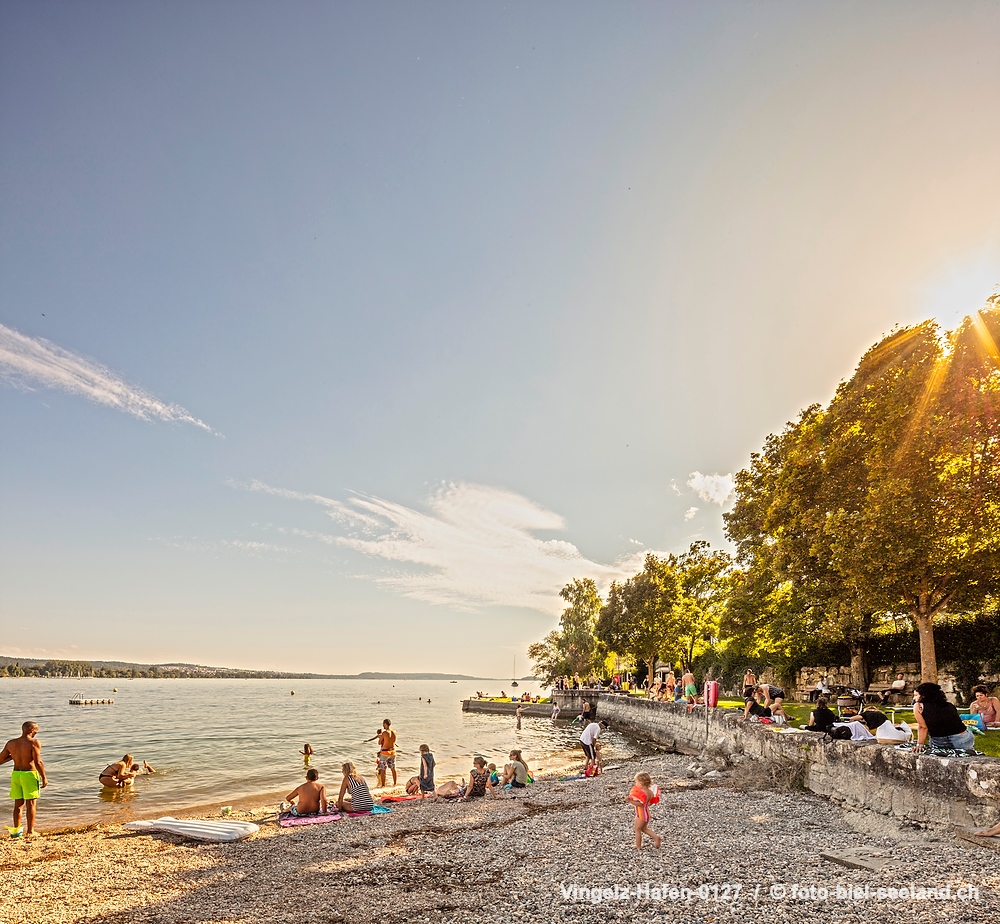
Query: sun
[[961, 288]]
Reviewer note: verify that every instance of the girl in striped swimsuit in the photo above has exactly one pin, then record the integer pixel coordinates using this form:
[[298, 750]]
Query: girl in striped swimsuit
[[354, 793]]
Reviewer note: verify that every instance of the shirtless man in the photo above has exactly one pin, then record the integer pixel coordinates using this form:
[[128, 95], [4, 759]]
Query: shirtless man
[[28, 774], [690, 687], [386, 752], [311, 795]]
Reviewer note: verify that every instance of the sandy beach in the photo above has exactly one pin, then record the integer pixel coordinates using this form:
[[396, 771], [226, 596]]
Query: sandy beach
[[513, 859]]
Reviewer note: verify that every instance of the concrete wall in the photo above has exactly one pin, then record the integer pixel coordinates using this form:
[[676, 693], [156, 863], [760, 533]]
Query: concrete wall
[[900, 784], [543, 710]]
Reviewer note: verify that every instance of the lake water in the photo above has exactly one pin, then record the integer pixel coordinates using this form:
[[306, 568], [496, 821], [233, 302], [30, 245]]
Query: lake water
[[214, 742]]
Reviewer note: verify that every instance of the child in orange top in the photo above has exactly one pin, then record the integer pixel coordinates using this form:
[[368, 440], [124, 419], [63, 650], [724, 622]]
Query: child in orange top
[[642, 796]]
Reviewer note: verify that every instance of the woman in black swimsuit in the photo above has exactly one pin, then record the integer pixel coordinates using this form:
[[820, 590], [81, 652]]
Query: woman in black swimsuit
[[119, 774]]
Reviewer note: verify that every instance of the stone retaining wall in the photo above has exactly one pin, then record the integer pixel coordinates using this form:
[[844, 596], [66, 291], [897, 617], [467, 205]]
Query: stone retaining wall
[[878, 778]]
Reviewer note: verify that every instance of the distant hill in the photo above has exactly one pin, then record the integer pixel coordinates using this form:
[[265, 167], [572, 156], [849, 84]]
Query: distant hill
[[61, 667]]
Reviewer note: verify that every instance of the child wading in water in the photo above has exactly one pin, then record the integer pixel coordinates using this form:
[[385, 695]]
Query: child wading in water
[[642, 796]]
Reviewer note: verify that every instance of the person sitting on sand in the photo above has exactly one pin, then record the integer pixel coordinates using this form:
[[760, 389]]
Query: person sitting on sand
[[479, 781], [311, 796], [355, 796], [642, 796], [516, 773], [426, 775], [118, 775]]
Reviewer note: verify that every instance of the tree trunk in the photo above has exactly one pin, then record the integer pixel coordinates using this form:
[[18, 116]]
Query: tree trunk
[[924, 618], [860, 670]]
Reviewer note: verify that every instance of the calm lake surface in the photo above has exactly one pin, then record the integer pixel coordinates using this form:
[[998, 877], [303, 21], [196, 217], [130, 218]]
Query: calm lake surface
[[214, 742]]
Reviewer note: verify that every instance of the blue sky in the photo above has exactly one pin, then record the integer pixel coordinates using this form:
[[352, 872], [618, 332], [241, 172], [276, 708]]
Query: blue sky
[[337, 337]]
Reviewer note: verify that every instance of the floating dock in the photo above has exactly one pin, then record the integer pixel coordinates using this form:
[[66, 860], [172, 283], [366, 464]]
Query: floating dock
[[79, 701], [506, 707]]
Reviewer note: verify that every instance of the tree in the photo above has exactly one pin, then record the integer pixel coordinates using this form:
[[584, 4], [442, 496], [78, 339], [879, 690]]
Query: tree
[[547, 659], [698, 610], [638, 618], [779, 526], [576, 636], [889, 499]]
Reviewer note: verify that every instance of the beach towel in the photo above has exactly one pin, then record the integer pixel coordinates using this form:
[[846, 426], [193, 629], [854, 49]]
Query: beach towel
[[295, 821], [377, 810], [400, 799], [974, 721]]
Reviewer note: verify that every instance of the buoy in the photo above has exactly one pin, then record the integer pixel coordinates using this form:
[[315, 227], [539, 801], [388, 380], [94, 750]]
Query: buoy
[[293, 692], [115, 690]]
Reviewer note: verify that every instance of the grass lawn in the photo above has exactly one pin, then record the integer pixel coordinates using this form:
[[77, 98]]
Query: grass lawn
[[798, 714]]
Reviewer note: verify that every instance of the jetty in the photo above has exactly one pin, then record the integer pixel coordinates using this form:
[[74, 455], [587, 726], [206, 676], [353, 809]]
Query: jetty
[[80, 701], [492, 706]]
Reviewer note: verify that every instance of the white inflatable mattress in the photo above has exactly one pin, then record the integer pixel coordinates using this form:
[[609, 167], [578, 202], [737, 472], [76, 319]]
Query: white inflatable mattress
[[220, 831]]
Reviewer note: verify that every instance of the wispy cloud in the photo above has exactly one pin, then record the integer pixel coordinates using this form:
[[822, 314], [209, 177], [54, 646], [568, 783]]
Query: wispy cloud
[[215, 546], [713, 489], [690, 512], [29, 361], [472, 546]]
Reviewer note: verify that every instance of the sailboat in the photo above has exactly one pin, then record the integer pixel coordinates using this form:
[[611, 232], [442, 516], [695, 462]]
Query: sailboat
[[513, 683]]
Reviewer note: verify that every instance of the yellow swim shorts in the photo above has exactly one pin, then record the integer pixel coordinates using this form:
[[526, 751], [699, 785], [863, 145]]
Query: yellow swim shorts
[[24, 784]]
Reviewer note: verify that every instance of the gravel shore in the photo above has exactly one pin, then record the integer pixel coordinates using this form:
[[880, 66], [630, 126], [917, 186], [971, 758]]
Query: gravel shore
[[513, 860]]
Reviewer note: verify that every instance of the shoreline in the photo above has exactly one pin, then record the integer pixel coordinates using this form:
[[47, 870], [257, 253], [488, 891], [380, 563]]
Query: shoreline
[[257, 802], [516, 858]]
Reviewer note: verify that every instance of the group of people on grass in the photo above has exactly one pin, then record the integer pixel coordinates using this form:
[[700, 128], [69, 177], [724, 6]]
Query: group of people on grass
[[671, 689], [939, 723]]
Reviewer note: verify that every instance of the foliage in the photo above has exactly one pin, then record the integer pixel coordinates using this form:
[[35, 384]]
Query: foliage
[[888, 500], [640, 615], [572, 649]]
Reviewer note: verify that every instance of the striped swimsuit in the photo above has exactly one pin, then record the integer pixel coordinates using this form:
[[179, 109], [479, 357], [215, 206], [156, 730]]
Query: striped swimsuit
[[361, 798]]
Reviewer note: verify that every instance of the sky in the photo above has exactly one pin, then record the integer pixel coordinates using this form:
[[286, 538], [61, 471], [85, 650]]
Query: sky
[[339, 337]]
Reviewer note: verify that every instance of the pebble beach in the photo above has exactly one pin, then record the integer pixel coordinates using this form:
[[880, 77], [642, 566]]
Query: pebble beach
[[745, 854]]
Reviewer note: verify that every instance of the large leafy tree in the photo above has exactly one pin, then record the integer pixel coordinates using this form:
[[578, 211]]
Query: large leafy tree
[[577, 623], [791, 593], [639, 616], [572, 648], [888, 499], [698, 609], [547, 659]]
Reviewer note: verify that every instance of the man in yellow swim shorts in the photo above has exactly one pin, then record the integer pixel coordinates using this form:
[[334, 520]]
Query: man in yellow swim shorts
[[28, 775]]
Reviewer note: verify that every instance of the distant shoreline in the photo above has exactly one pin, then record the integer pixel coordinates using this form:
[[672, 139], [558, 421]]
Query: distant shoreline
[[59, 668], [262, 675]]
